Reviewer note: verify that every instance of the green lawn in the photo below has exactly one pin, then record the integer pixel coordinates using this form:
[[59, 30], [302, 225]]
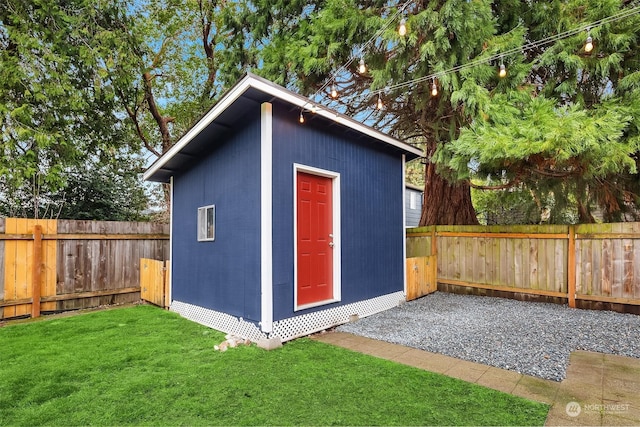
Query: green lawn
[[145, 366]]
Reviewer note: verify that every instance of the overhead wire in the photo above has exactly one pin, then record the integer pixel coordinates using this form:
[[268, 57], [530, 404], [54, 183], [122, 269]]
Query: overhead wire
[[526, 47], [360, 51], [359, 54]]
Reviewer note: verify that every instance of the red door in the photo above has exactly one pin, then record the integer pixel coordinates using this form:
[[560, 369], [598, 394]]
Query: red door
[[314, 238]]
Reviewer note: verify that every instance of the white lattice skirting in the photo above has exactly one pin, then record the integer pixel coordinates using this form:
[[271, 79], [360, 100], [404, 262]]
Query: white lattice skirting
[[217, 320], [293, 327]]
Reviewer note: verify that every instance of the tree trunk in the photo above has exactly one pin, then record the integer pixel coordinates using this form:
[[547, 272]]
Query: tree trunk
[[445, 203]]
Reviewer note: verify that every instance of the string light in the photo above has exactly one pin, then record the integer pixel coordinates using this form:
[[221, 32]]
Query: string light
[[379, 104], [503, 70], [434, 88], [301, 119], [588, 45], [480, 61], [362, 68], [526, 47], [362, 49], [402, 28], [334, 91]]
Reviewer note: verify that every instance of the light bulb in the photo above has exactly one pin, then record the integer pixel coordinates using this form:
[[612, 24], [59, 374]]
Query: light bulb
[[588, 46], [301, 117], [379, 105], [362, 68], [402, 29], [334, 91], [434, 89], [503, 71]]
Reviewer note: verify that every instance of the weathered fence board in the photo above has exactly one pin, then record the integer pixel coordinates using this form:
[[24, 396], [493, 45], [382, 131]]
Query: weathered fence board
[[524, 263], [84, 263], [609, 260], [602, 261], [105, 263]]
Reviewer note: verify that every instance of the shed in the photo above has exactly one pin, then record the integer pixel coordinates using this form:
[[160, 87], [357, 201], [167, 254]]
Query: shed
[[281, 228]]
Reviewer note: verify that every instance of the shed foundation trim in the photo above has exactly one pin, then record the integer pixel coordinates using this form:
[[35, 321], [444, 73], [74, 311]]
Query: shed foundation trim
[[219, 321], [293, 327], [305, 324]]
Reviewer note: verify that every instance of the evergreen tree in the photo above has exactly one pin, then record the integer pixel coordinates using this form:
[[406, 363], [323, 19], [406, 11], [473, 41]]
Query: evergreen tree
[[565, 123], [562, 123]]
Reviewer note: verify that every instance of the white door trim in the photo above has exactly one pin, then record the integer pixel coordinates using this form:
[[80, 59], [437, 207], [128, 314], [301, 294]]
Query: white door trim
[[337, 265]]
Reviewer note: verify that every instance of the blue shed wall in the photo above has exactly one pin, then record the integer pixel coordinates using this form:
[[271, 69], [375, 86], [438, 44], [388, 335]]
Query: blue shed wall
[[222, 275], [371, 184]]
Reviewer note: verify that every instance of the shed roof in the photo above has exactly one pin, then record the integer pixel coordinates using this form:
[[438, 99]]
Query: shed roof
[[249, 90]]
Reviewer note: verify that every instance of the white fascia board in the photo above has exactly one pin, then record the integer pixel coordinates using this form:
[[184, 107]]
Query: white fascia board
[[253, 81], [218, 109], [302, 102]]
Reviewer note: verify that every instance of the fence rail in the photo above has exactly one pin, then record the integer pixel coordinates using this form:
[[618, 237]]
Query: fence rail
[[594, 262], [73, 264]]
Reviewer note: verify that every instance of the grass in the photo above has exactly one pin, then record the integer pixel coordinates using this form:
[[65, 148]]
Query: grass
[[145, 366]]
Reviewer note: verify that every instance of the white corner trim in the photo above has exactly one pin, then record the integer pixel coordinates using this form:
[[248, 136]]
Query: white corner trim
[[404, 224], [337, 246], [266, 217], [171, 217]]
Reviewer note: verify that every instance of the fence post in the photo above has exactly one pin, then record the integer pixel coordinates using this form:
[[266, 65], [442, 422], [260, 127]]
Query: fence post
[[434, 246], [167, 283], [36, 281], [434, 260], [571, 267]]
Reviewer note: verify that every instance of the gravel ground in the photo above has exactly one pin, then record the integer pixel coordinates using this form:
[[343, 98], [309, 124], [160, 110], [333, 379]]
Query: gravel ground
[[530, 338]]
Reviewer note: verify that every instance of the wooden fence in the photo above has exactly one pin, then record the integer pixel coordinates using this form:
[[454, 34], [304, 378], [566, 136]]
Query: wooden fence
[[594, 262], [73, 264], [154, 282]]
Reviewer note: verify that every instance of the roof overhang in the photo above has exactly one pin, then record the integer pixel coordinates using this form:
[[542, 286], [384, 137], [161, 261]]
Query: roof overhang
[[251, 90]]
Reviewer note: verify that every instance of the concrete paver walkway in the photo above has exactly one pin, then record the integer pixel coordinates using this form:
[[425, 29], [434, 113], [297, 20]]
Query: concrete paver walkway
[[600, 389]]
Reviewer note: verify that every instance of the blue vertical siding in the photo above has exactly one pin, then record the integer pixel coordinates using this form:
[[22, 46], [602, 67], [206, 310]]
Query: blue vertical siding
[[222, 275], [371, 207]]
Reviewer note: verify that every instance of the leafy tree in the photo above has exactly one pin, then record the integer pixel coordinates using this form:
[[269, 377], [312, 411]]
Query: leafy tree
[[107, 187], [53, 111], [106, 190], [168, 67], [515, 205]]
